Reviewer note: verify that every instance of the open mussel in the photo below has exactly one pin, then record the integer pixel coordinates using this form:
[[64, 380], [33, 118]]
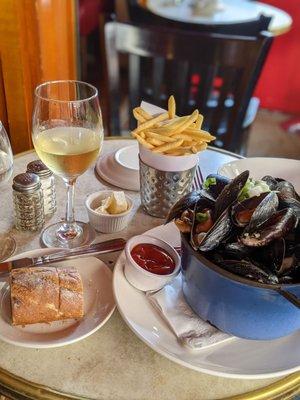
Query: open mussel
[[214, 184], [275, 227], [188, 201], [249, 270], [264, 210], [230, 193], [214, 236], [242, 211]]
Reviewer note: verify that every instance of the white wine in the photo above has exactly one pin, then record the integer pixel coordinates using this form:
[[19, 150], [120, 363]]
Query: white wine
[[68, 151]]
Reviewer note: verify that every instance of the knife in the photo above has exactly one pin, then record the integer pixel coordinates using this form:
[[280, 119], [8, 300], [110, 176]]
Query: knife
[[94, 249]]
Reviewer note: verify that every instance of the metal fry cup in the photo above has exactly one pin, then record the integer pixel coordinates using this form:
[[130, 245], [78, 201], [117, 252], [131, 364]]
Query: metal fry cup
[[161, 189]]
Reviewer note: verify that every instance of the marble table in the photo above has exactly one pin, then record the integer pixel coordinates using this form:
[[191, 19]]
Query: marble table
[[231, 11], [112, 363]]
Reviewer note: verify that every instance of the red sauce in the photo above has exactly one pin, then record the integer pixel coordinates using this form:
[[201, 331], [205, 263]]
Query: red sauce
[[153, 258]]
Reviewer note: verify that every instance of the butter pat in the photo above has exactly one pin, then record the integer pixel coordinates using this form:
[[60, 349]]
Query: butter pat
[[114, 204], [118, 203]]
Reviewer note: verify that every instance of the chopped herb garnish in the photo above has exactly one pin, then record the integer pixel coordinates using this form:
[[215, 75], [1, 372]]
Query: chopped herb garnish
[[202, 217], [208, 182]]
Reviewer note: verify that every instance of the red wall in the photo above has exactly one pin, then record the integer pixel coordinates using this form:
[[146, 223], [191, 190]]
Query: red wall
[[279, 84]]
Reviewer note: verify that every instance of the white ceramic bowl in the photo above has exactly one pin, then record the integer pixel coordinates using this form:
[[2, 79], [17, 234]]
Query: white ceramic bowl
[[142, 279], [107, 223]]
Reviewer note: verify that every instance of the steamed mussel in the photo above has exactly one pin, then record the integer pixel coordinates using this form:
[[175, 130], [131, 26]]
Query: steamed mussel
[[248, 227]]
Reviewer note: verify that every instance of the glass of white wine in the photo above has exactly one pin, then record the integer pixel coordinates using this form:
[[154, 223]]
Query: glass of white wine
[[67, 133], [7, 243]]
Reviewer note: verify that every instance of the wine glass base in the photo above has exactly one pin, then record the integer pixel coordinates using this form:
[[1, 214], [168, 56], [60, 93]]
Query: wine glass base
[[7, 247], [49, 237]]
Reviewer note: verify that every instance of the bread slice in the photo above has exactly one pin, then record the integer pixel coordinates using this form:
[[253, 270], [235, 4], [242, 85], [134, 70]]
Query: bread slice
[[70, 293], [45, 294]]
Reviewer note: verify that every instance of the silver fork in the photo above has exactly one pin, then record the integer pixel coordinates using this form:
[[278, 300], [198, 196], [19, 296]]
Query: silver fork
[[198, 179]]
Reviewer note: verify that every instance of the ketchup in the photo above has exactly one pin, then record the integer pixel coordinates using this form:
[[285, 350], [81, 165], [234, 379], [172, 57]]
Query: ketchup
[[153, 259]]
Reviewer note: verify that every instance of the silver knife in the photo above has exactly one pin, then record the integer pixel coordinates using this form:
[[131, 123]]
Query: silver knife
[[94, 249]]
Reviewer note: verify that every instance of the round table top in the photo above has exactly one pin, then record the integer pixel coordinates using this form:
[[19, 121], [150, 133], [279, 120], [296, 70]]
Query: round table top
[[112, 363], [230, 11]]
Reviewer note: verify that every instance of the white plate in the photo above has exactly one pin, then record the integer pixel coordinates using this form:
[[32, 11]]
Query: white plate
[[238, 358], [99, 305], [259, 166], [121, 168]]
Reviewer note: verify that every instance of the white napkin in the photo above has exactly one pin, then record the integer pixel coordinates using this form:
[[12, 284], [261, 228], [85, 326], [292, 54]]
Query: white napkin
[[190, 330]]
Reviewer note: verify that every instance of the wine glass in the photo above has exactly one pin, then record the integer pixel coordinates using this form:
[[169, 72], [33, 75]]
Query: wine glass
[[67, 134], [7, 243]]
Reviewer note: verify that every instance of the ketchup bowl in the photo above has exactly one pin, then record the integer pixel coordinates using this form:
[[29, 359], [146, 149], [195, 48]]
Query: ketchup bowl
[[150, 263]]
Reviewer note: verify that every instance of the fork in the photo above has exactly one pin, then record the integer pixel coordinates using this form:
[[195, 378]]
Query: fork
[[198, 179]]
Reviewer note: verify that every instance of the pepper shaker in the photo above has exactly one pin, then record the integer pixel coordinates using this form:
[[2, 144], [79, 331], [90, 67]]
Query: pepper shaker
[[28, 202], [48, 185]]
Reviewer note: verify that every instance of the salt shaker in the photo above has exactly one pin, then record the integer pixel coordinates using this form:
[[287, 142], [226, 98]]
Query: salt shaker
[[28, 202], [48, 185]]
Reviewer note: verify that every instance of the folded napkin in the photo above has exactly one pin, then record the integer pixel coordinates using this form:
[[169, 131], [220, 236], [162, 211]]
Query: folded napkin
[[190, 330]]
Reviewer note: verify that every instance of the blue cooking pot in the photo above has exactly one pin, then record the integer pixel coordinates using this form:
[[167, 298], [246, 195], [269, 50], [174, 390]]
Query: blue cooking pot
[[236, 305]]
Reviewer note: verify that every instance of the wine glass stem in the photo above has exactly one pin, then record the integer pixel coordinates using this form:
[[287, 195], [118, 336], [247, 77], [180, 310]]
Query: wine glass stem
[[70, 202], [69, 229]]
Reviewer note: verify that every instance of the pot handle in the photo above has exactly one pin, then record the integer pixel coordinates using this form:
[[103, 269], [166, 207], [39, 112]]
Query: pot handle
[[291, 297]]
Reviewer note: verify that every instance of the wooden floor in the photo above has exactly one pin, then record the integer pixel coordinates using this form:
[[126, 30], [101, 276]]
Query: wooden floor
[[267, 138]]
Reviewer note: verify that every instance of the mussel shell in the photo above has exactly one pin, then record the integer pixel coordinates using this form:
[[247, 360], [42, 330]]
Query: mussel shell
[[246, 205], [288, 197], [276, 227], [230, 193], [187, 201], [272, 255], [249, 270], [217, 233], [265, 209], [286, 191], [271, 181], [221, 182], [236, 251]]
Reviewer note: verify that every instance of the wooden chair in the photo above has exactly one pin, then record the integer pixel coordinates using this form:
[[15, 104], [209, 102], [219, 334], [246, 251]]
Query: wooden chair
[[214, 73], [139, 15]]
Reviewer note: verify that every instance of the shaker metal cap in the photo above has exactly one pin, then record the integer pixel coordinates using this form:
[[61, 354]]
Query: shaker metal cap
[[26, 182], [39, 168]]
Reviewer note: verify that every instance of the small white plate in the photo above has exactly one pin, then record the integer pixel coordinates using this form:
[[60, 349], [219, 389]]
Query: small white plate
[[259, 166], [121, 168], [238, 358], [99, 305]]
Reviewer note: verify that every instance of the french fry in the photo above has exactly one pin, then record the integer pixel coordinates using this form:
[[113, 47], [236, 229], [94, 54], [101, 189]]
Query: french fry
[[199, 121], [168, 146], [150, 123], [183, 136], [157, 136], [171, 107], [142, 135], [143, 142], [143, 113], [201, 135], [169, 126], [138, 116], [155, 142], [201, 146], [192, 118]]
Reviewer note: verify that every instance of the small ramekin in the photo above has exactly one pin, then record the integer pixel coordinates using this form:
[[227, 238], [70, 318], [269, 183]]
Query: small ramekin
[[107, 223], [139, 277]]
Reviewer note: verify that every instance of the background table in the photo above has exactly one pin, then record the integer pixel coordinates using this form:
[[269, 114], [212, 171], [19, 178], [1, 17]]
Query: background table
[[112, 363], [233, 11]]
